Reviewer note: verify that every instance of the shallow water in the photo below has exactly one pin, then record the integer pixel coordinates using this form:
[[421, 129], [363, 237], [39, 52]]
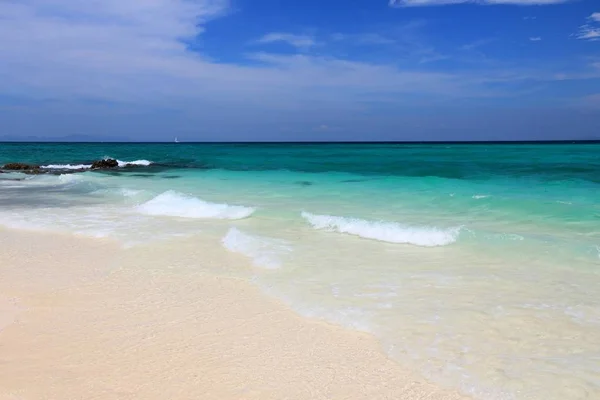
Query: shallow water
[[477, 265]]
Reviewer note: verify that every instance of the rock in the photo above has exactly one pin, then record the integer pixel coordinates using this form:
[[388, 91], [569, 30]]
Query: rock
[[103, 164], [21, 167]]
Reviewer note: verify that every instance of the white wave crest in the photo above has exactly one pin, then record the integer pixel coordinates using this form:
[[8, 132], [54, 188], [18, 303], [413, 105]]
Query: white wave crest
[[175, 204], [384, 231], [129, 192], [67, 166], [69, 178], [264, 252], [140, 163]]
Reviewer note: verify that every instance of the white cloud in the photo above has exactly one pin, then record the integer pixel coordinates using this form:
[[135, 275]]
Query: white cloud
[[477, 43], [324, 72], [588, 33], [420, 3], [298, 41], [362, 39], [91, 47], [591, 30], [135, 51], [535, 39]]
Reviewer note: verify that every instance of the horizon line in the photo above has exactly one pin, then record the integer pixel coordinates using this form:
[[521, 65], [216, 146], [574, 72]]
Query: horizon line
[[581, 141]]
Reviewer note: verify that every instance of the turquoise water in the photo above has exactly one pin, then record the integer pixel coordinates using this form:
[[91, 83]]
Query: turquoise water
[[477, 265]]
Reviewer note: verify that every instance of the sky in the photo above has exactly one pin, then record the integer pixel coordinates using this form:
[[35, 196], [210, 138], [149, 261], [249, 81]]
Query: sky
[[266, 70]]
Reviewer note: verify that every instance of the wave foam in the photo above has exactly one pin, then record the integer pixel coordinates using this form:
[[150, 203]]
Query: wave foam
[[173, 204], [129, 192], [264, 252], [69, 178], [384, 231], [67, 166], [139, 163]]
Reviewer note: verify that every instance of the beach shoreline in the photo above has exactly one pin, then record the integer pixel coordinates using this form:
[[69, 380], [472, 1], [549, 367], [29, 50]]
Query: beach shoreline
[[82, 324]]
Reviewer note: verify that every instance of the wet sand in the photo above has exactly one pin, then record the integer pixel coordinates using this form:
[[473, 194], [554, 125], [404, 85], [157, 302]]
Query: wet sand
[[84, 319]]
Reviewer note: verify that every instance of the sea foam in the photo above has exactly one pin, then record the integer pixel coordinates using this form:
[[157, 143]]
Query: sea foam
[[264, 252], [129, 192], [67, 166], [70, 178], [174, 204], [384, 231], [139, 163]]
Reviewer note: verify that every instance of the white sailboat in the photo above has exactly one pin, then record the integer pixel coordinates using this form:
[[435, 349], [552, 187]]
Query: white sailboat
[[176, 140]]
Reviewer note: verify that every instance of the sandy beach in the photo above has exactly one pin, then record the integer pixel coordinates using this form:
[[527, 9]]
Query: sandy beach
[[80, 321], [218, 199]]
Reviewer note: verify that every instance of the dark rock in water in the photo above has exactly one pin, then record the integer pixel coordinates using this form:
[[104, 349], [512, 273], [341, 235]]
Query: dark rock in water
[[28, 168], [103, 164], [171, 177], [304, 183], [141, 175]]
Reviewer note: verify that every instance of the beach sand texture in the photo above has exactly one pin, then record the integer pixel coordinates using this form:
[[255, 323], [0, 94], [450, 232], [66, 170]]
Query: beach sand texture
[[79, 319]]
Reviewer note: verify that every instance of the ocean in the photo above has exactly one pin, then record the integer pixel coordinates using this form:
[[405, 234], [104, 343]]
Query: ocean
[[476, 265]]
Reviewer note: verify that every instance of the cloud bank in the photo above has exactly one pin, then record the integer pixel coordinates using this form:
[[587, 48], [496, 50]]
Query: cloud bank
[[67, 59], [137, 51]]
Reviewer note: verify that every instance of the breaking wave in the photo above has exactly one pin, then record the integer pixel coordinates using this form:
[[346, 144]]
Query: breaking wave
[[264, 252], [139, 163], [67, 166], [174, 204], [70, 178], [390, 232]]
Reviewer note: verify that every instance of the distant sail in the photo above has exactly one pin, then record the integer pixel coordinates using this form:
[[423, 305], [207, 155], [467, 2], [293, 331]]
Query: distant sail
[[176, 140]]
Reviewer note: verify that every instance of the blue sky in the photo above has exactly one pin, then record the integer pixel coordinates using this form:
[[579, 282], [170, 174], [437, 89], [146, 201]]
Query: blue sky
[[301, 70]]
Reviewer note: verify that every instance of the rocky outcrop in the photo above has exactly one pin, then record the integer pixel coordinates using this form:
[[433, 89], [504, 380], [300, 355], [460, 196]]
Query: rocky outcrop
[[22, 167], [108, 163], [104, 164]]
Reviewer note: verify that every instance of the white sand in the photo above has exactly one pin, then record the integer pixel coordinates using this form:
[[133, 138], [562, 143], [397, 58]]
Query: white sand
[[80, 320], [9, 310]]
